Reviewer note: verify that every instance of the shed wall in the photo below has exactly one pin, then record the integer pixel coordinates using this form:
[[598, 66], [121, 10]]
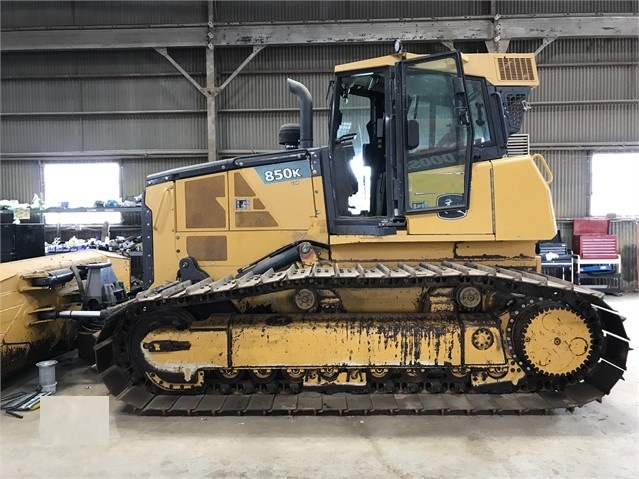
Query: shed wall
[[134, 107]]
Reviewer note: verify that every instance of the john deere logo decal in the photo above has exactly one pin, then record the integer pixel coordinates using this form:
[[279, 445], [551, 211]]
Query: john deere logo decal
[[451, 200]]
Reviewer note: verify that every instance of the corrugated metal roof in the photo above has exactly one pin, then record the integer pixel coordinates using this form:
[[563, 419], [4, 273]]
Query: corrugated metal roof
[[259, 130], [91, 133], [148, 131], [40, 95], [591, 82], [135, 171], [41, 134], [99, 62], [108, 94], [628, 237], [20, 180], [271, 91], [257, 11], [581, 50], [571, 185], [134, 94], [302, 58], [40, 14], [583, 6], [587, 123]]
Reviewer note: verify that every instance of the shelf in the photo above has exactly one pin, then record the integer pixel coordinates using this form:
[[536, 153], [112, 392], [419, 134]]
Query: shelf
[[563, 265], [601, 275], [119, 209], [615, 261], [585, 278]]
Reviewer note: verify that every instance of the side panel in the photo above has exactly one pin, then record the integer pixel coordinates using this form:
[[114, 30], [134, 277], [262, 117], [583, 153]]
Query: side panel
[[160, 200], [317, 340], [509, 198], [403, 247], [227, 220], [278, 196], [477, 221], [382, 342], [202, 203], [523, 203]]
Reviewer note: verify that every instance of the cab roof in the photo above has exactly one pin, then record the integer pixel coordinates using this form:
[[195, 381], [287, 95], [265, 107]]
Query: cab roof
[[505, 69]]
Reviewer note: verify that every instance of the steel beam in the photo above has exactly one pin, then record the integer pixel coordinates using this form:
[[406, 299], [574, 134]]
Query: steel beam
[[544, 44], [482, 28], [102, 154], [164, 52], [237, 71], [36, 114], [103, 38], [445, 29], [135, 154], [312, 71], [258, 111], [577, 26], [211, 101]]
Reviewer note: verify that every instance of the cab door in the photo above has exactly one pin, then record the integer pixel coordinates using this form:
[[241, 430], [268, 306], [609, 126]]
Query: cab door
[[437, 136]]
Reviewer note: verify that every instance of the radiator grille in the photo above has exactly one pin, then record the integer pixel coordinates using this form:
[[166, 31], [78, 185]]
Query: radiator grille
[[515, 68]]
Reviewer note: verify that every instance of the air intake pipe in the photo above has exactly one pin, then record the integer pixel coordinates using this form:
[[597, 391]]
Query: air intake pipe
[[306, 112]]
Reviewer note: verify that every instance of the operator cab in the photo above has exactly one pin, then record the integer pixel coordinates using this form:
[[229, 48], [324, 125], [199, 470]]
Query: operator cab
[[403, 136]]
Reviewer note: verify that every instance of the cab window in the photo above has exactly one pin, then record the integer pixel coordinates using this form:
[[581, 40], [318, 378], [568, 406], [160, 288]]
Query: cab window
[[358, 146], [478, 112], [437, 132]]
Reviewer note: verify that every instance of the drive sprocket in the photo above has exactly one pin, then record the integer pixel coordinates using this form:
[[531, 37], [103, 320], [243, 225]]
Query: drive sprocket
[[554, 340]]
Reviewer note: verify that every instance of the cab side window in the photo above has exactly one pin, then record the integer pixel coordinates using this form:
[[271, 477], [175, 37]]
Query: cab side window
[[478, 112], [436, 161]]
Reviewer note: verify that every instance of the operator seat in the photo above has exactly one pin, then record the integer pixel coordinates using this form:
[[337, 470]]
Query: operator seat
[[344, 180], [374, 157]]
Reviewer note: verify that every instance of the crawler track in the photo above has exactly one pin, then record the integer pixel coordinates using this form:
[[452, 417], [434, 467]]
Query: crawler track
[[538, 394], [338, 404]]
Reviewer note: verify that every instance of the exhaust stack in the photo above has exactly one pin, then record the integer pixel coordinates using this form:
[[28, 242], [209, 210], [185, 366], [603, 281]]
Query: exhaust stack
[[306, 112]]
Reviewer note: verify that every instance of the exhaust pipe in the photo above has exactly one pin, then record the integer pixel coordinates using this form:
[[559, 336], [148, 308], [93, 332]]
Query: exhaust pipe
[[306, 112]]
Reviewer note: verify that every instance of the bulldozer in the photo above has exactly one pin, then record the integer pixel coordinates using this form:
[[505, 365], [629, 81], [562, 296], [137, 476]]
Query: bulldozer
[[46, 303], [392, 270]]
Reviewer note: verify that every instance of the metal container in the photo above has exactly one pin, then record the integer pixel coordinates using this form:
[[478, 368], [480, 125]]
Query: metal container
[[47, 376]]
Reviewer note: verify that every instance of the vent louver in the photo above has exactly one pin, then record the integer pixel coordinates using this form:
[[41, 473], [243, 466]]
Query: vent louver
[[518, 145], [515, 68]]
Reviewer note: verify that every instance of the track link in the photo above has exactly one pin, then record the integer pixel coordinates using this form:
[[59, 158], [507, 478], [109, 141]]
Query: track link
[[339, 404], [596, 383]]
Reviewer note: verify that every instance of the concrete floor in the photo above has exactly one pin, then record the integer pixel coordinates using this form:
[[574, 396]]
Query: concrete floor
[[597, 441]]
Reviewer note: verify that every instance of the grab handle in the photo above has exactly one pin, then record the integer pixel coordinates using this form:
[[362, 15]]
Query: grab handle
[[165, 193], [549, 176]]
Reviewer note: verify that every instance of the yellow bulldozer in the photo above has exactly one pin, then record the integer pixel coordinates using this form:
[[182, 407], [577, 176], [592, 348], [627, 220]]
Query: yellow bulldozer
[[393, 270], [46, 303]]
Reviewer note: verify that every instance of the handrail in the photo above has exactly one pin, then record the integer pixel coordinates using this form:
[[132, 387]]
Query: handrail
[[158, 215], [549, 176]]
